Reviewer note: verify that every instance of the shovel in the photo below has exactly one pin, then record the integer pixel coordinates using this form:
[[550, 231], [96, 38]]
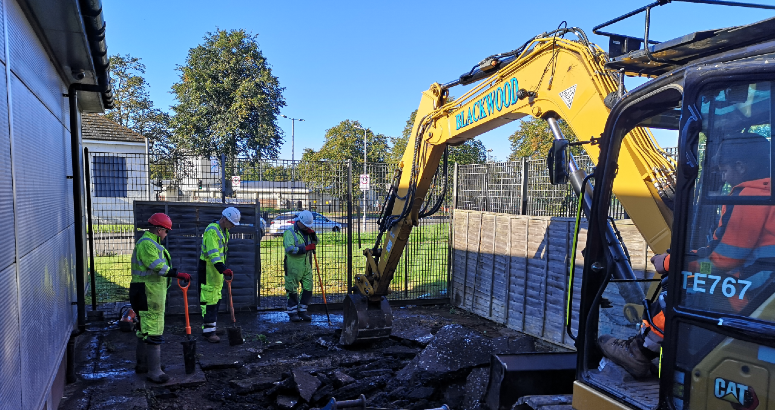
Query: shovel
[[235, 332], [322, 289], [189, 346]]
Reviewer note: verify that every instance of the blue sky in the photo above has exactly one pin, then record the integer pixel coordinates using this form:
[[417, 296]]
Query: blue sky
[[369, 61]]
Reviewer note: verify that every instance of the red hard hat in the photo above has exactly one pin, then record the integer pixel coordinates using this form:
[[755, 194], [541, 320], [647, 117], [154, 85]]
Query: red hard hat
[[160, 219]]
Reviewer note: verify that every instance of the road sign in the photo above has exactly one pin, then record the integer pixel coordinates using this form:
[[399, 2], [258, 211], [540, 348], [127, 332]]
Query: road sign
[[235, 181], [364, 182]]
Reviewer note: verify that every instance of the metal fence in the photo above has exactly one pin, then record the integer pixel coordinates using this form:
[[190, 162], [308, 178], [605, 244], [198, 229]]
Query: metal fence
[[280, 188], [520, 188]]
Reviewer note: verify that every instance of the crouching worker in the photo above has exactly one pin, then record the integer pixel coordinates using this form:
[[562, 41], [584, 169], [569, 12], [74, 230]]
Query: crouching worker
[[212, 268], [151, 270], [299, 243]]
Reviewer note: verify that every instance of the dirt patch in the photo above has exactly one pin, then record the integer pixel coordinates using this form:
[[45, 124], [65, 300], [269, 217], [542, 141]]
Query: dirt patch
[[284, 365]]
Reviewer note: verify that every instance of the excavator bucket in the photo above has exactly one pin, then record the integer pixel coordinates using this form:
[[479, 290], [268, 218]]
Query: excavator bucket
[[365, 320]]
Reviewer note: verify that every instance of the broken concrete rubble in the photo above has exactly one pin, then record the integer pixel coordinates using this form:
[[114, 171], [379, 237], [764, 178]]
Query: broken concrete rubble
[[252, 384], [287, 402], [307, 369], [340, 379], [306, 384], [476, 384], [453, 350]]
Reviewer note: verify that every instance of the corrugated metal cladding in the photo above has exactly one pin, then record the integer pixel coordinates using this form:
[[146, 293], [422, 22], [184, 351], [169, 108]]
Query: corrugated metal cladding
[[10, 363], [35, 299], [31, 64], [7, 242], [40, 165]]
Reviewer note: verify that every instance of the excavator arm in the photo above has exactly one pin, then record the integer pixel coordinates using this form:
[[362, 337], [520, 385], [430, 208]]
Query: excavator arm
[[549, 77]]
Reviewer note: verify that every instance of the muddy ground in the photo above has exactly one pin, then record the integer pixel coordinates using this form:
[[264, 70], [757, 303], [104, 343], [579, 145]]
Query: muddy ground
[[436, 355]]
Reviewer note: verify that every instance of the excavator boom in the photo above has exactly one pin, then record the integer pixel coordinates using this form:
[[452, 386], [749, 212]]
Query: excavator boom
[[550, 77]]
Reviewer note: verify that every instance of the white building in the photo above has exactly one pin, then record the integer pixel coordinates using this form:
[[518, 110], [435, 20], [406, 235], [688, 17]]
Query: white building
[[118, 168]]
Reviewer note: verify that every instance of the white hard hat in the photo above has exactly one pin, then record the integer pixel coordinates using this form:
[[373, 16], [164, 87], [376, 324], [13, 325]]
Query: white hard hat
[[305, 217], [232, 214]]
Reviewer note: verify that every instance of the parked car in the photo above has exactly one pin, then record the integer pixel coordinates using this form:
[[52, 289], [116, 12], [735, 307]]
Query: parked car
[[286, 219]]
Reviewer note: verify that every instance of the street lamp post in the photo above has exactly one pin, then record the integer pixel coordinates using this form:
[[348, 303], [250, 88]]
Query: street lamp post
[[364, 171], [293, 131], [293, 145]]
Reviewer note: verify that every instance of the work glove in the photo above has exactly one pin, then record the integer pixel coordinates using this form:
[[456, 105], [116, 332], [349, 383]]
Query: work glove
[[183, 276], [310, 247], [228, 272], [659, 262], [172, 273], [220, 267]]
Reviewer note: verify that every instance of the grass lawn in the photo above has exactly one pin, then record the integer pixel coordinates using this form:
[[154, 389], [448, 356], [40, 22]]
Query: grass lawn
[[421, 271], [113, 277]]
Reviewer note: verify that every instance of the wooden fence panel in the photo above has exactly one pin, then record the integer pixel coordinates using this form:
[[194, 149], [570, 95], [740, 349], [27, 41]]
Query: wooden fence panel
[[514, 270], [184, 242]]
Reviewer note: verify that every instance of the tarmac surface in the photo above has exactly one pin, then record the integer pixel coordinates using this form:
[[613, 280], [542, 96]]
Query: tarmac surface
[[436, 355]]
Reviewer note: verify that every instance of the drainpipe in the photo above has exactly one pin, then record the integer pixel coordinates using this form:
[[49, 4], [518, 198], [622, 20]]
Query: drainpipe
[[78, 197]]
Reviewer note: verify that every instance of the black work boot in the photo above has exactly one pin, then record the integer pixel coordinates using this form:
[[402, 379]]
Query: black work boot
[[142, 357], [293, 305], [303, 315], [306, 296], [629, 353]]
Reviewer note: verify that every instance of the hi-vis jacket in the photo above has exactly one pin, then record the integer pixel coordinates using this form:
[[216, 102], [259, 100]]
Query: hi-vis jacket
[[745, 234], [149, 257], [148, 290], [214, 246]]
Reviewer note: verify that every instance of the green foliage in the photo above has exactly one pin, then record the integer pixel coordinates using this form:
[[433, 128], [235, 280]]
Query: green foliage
[[345, 141], [228, 99], [534, 138], [470, 152], [318, 169], [133, 106]]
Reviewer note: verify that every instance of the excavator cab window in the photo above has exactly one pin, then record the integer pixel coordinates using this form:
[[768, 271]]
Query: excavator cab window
[[724, 270]]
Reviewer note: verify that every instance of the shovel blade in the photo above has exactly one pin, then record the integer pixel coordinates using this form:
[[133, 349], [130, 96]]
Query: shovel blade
[[189, 355], [235, 336]]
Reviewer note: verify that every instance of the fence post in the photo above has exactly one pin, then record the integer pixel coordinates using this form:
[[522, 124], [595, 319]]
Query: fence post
[[257, 255], [524, 185], [349, 225], [451, 234], [148, 169], [89, 211], [223, 178]]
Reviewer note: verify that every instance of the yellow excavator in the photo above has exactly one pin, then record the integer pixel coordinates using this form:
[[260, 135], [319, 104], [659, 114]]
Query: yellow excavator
[[550, 77], [715, 89]]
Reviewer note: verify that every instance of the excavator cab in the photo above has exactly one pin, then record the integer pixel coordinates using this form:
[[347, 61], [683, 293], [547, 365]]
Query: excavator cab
[[716, 306]]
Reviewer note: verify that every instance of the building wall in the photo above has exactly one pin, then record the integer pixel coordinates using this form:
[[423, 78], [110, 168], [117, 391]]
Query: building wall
[[36, 217]]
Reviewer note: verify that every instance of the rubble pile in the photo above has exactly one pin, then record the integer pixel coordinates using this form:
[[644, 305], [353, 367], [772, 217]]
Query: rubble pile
[[435, 355]]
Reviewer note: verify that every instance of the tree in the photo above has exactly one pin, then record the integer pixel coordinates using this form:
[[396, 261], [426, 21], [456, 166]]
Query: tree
[[228, 99], [470, 152], [133, 106], [319, 169], [345, 141], [534, 138]]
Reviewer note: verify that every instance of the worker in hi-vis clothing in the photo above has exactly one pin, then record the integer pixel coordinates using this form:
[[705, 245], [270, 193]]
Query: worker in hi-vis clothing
[[299, 242], [212, 268], [151, 270]]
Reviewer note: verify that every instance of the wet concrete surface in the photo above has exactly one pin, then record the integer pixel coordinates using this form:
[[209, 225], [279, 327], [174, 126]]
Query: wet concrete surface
[[301, 365]]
